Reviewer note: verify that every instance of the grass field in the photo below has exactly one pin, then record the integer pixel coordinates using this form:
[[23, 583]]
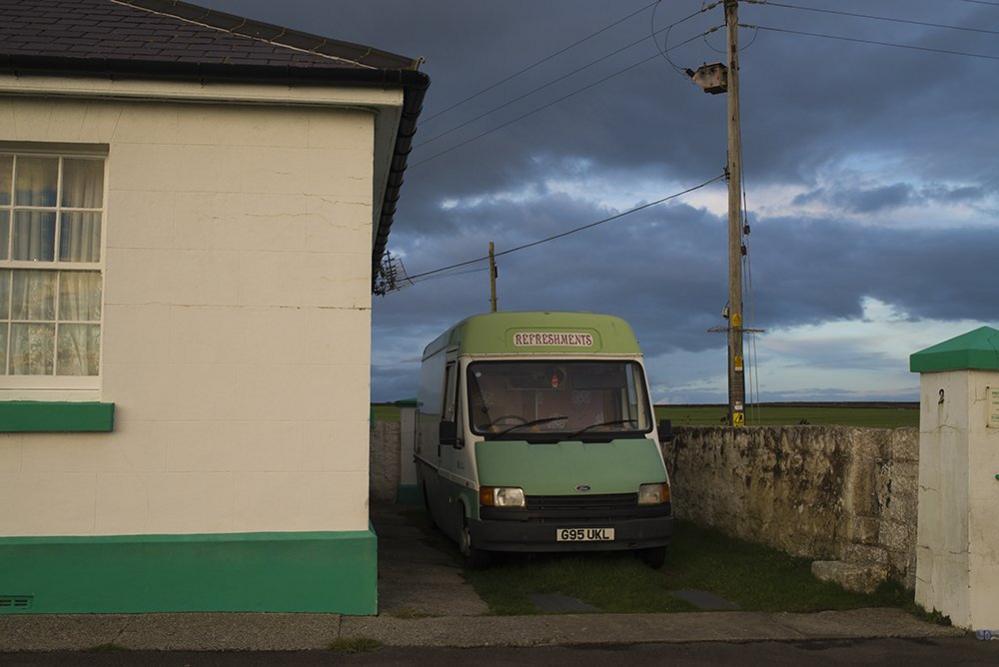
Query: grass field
[[384, 412], [755, 577], [883, 416]]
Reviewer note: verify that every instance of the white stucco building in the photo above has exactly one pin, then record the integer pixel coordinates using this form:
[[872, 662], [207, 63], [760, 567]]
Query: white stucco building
[[191, 205]]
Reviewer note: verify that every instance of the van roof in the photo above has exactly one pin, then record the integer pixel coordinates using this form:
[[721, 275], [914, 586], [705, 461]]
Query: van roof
[[538, 333]]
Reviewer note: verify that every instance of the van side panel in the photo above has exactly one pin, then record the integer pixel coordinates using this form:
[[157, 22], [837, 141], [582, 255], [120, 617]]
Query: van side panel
[[428, 416]]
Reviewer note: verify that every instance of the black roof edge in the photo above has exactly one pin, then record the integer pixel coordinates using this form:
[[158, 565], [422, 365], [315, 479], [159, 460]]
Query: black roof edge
[[207, 72], [411, 107], [414, 86]]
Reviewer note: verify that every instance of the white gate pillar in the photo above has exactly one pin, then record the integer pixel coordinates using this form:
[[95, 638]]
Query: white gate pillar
[[957, 547]]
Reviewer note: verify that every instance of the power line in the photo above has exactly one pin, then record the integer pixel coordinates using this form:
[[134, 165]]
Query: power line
[[561, 78], [409, 281], [982, 2], [876, 42], [539, 62], [927, 24], [652, 34], [554, 102], [574, 230]]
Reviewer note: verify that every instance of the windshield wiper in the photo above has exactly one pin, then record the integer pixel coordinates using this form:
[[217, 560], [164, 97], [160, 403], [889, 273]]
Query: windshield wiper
[[610, 423], [533, 422]]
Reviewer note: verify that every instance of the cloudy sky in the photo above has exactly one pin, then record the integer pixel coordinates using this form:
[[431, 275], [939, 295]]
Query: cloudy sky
[[872, 181]]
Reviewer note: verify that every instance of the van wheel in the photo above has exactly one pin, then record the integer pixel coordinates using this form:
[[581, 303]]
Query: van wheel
[[654, 557], [474, 559]]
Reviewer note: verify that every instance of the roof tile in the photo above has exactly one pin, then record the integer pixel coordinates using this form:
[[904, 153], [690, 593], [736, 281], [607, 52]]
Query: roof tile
[[137, 29]]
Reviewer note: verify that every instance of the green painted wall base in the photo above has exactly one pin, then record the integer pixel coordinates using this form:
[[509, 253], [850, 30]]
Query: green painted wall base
[[409, 494], [278, 572]]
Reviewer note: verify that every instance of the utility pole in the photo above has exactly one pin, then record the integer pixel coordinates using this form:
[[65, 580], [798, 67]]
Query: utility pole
[[492, 276], [736, 374], [715, 79]]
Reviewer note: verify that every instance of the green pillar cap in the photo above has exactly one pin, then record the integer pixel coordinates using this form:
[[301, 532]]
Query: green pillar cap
[[976, 350]]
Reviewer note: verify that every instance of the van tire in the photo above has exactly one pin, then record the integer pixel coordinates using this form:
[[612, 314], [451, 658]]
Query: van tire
[[473, 559], [654, 557]]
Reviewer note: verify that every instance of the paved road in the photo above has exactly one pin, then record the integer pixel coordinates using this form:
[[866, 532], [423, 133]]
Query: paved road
[[909, 652]]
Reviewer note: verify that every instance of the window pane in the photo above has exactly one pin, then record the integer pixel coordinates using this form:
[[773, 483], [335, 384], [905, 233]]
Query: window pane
[[33, 295], [82, 183], [80, 237], [4, 233], [4, 301], [36, 181], [79, 349], [80, 296], [32, 348], [6, 169], [3, 347], [34, 236]]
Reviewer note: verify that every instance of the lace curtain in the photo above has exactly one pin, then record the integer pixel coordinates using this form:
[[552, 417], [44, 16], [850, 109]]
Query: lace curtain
[[53, 316]]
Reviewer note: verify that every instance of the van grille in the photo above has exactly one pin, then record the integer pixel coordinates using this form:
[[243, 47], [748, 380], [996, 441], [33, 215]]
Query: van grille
[[599, 503]]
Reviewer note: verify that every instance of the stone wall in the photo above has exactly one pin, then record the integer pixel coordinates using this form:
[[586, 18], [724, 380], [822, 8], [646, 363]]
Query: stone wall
[[843, 496], [384, 469]]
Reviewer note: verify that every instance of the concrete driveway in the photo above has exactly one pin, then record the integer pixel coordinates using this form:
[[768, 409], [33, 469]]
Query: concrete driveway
[[419, 573]]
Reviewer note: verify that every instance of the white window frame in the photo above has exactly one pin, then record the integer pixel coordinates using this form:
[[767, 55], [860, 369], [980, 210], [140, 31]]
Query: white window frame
[[42, 386]]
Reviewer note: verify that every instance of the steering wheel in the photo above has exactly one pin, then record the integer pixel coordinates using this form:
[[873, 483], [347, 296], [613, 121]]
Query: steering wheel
[[498, 420]]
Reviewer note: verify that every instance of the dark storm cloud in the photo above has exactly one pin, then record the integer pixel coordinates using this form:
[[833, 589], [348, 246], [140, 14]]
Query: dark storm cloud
[[911, 129], [886, 197], [868, 200], [663, 272], [805, 100]]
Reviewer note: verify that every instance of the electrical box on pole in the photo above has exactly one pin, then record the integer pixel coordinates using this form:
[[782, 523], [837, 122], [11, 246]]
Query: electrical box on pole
[[711, 78]]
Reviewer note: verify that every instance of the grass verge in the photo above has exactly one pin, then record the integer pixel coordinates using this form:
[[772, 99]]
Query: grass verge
[[755, 577], [108, 647], [355, 645]]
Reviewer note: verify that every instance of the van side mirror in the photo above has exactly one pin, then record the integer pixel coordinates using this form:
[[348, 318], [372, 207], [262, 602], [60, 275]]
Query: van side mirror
[[448, 433], [665, 430]]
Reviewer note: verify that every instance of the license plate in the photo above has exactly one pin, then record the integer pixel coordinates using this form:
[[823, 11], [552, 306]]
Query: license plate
[[584, 534]]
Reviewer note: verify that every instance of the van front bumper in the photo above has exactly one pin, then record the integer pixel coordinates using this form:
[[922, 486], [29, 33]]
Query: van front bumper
[[639, 533]]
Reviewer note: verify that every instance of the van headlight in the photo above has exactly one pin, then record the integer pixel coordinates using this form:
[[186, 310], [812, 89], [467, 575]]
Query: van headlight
[[501, 496], [653, 494]]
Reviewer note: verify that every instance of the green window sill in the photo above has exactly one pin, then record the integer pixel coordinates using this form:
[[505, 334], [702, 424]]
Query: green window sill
[[56, 417]]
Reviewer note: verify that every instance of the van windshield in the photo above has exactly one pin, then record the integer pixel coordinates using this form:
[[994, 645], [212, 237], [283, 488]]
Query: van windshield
[[520, 400]]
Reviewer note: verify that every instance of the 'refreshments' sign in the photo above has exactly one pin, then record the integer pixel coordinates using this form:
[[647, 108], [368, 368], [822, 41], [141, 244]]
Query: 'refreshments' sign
[[552, 339]]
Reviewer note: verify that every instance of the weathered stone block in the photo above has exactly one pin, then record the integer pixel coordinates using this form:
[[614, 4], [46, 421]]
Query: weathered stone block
[[864, 530], [897, 536], [384, 471], [862, 553], [905, 444], [851, 576]]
